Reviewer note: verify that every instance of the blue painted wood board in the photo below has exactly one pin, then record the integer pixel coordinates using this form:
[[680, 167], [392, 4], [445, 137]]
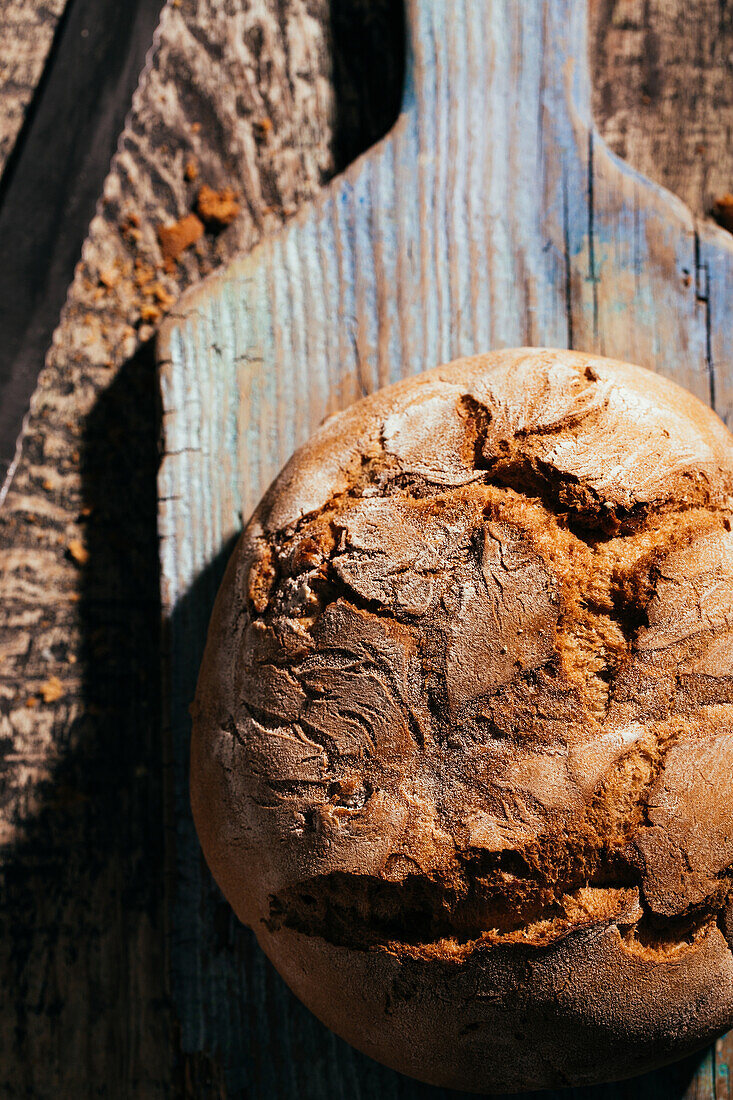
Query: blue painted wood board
[[492, 215]]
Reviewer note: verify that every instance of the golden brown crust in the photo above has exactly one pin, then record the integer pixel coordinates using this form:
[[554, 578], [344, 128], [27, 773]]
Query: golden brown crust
[[463, 734]]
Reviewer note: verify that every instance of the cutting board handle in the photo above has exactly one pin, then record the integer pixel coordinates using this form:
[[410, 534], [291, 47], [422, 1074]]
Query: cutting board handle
[[492, 215], [447, 60]]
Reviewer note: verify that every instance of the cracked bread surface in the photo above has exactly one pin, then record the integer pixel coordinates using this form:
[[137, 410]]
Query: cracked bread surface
[[463, 738]]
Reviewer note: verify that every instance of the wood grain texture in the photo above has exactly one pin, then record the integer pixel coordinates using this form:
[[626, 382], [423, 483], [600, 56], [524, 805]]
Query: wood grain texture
[[83, 996], [494, 214], [84, 1007], [51, 184], [663, 96], [26, 33]]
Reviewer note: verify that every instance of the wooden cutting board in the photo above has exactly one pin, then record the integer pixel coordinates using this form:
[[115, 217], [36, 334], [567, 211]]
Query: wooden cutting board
[[492, 215]]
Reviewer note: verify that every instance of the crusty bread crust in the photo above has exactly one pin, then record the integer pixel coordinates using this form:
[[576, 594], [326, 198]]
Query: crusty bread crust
[[463, 737]]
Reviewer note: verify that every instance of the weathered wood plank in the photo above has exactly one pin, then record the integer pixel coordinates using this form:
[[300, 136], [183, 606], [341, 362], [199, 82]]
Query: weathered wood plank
[[663, 93], [84, 1004], [82, 913], [492, 213], [26, 32], [51, 184]]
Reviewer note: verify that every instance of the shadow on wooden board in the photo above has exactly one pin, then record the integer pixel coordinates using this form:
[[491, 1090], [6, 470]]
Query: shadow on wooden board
[[83, 989], [86, 939], [84, 985], [53, 177]]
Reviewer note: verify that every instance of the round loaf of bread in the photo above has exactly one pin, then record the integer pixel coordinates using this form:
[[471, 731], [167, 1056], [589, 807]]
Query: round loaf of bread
[[463, 736]]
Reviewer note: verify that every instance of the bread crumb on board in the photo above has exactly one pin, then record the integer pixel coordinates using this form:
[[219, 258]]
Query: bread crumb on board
[[161, 295], [263, 127], [78, 551], [149, 313], [176, 238], [217, 208], [52, 689], [108, 278]]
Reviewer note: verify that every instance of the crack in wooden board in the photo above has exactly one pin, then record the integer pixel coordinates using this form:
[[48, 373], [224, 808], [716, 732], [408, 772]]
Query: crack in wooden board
[[492, 215]]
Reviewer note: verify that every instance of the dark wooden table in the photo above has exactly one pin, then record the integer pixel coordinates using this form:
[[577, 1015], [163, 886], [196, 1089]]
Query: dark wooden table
[[270, 99]]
